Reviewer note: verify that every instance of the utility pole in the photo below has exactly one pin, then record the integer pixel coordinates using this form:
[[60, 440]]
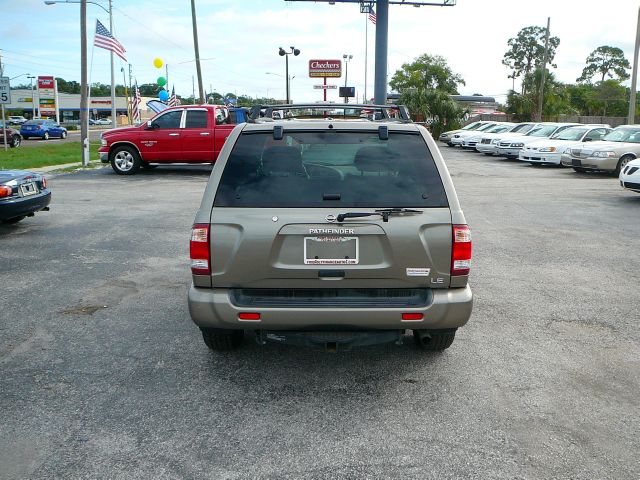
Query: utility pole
[[382, 47], [634, 78], [197, 49], [544, 71], [84, 88], [4, 127]]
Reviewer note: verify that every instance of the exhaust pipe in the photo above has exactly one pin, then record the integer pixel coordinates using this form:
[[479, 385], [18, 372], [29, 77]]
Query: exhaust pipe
[[424, 337]]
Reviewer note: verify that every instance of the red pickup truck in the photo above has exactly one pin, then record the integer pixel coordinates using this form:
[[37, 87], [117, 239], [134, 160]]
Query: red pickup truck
[[183, 134]]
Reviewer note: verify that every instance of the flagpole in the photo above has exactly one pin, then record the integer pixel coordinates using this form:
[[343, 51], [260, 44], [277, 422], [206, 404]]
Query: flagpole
[[113, 75], [366, 49]]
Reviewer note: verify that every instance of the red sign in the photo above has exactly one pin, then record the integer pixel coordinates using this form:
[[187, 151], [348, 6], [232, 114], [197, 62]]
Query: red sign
[[325, 68], [46, 82]]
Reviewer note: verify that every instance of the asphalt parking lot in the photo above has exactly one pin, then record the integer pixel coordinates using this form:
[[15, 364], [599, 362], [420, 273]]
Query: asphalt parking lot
[[105, 376]]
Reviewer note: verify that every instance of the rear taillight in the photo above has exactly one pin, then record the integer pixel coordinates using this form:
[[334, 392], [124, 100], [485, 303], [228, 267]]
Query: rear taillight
[[5, 191], [461, 250], [199, 250], [44, 183]]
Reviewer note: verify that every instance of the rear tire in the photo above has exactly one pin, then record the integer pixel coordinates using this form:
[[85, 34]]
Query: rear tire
[[63, 135], [15, 142], [13, 220], [45, 136], [489, 154], [579, 169], [222, 340], [434, 340]]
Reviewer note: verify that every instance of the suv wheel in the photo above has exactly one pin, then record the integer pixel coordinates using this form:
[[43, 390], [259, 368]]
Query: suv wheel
[[434, 340], [15, 142], [222, 340], [125, 160]]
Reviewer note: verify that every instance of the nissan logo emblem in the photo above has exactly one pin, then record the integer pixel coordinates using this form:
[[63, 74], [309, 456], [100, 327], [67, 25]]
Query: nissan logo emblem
[[330, 218]]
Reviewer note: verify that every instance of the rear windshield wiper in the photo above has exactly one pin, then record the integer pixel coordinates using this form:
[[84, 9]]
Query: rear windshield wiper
[[383, 212]]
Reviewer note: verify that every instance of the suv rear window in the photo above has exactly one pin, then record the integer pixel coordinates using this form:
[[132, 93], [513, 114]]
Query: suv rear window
[[330, 168]]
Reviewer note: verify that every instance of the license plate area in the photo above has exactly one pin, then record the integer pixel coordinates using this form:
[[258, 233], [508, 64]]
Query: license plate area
[[576, 163], [27, 189], [331, 250]]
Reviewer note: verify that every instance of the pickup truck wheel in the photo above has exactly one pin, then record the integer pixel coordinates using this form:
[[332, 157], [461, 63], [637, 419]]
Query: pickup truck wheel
[[15, 142], [434, 340], [622, 163], [222, 340], [125, 160]]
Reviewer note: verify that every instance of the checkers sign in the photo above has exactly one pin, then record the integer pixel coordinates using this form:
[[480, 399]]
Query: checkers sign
[[325, 68]]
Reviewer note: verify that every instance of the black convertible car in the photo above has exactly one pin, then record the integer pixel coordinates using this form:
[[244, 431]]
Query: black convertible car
[[22, 193]]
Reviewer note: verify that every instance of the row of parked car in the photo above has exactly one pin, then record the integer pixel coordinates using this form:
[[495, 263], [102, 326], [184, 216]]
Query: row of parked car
[[593, 147]]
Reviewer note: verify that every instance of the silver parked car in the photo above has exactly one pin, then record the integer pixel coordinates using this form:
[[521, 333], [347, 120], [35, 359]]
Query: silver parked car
[[330, 232], [611, 154]]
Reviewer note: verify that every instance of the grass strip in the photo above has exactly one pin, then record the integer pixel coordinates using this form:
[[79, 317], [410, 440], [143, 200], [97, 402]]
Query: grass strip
[[44, 155]]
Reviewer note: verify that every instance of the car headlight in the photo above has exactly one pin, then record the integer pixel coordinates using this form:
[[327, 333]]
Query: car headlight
[[547, 149], [517, 145], [103, 142], [604, 154]]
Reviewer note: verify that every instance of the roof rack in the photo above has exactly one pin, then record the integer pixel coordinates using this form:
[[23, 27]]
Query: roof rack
[[292, 111]]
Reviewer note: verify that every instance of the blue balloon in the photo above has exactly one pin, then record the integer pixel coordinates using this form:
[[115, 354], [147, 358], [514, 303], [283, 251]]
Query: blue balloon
[[163, 95]]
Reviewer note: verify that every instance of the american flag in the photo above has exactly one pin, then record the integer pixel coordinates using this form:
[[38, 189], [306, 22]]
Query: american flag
[[173, 100], [135, 108], [104, 39], [372, 15]]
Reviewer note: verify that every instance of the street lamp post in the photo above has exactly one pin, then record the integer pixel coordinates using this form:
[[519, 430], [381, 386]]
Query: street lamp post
[[346, 59], [291, 77], [283, 53], [113, 77], [33, 102]]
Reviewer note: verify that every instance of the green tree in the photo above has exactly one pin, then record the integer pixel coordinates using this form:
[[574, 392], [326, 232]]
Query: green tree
[[605, 61], [526, 52], [556, 101], [444, 112], [429, 72], [613, 98]]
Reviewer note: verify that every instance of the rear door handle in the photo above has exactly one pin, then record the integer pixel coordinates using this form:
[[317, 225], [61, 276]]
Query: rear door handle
[[174, 134]]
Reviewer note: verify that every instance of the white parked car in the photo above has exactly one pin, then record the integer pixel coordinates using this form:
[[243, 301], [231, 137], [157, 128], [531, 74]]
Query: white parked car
[[510, 146], [488, 144], [102, 121], [630, 176], [549, 150], [471, 139], [446, 136], [457, 138]]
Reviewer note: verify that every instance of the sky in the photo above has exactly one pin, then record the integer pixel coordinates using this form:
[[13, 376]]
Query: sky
[[239, 41]]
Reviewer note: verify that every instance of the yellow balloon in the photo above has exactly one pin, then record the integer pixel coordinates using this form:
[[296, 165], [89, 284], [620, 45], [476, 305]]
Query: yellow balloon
[[157, 62]]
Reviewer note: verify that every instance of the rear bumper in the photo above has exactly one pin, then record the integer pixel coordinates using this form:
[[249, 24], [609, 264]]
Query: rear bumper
[[213, 308], [17, 207]]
